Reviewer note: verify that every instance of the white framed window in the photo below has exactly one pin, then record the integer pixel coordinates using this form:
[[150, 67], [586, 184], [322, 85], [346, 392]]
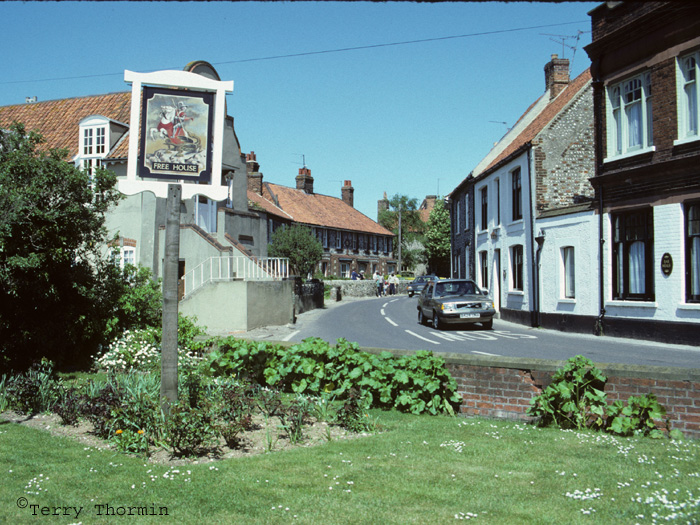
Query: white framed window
[[484, 207], [466, 212], [517, 195], [629, 122], [692, 251], [688, 111], [338, 240], [568, 273], [457, 206], [126, 255], [93, 139], [516, 267], [205, 210], [484, 268], [633, 255], [498, 202], [345, 270]]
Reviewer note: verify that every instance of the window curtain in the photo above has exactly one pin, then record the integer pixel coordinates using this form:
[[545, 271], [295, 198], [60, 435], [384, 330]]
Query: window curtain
[[692, 97], [636, 268], [570, 272], [634, 121]]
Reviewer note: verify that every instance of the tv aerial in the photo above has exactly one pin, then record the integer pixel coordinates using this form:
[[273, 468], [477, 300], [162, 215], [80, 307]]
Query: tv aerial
[[562, 40]]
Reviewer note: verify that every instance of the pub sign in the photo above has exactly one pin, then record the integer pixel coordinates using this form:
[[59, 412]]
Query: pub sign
[[176, 131]]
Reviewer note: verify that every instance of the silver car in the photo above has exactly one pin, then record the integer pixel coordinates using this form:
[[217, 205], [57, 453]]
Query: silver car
[[455, 301]]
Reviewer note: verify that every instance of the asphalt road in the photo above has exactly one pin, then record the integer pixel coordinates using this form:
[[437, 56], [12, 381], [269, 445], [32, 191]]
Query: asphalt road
[[391, 322]]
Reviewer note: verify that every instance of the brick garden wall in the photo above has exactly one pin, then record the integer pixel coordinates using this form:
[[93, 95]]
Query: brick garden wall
[[502, 388]]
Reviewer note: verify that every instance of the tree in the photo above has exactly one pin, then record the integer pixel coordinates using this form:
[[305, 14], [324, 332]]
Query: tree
[[54, 300], [412, 227], [437, 239], [299, 245]]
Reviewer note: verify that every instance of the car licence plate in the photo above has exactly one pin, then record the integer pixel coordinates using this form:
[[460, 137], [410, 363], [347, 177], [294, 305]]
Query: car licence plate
[[469, 316]]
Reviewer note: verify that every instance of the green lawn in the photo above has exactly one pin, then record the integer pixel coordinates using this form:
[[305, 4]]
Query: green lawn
[[422, 469]]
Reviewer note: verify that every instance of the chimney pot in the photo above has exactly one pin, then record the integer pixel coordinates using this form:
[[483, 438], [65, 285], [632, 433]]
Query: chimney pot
[[304, 180]]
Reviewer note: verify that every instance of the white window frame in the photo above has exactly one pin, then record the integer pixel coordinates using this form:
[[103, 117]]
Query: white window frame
[[457, 207], [630, 96], [517, 268], [568, 272], [127, 255], [687, 73], [93, 144], [498, 202], [484, 268], [516, 194], [205, 213], [484, 208]]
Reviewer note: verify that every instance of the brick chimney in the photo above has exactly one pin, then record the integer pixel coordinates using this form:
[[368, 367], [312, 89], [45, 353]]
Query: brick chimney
[[556, 75], [255, 178], [347, 192], [304, 180]]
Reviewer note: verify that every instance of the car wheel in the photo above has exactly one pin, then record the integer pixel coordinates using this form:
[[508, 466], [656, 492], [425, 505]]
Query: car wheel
[[436, 322], [421, 317], [488, 324]]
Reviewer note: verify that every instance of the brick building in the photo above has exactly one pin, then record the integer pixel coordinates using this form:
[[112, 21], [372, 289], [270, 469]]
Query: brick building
[[645, 59], [350, 239], [511, 215]]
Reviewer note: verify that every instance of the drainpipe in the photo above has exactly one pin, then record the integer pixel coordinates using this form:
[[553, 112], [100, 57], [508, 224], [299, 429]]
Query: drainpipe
[[598, 329], [535, 312]]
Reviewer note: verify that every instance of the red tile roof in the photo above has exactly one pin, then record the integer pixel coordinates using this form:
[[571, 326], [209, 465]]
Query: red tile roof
[[320, 210], [267, 206], [58, 120], [540, 122]]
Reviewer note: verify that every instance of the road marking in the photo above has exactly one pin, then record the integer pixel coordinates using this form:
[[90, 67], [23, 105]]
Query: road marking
[[382, 311], [385, 304], [290, 336], [390, 321], [421, 337], [485, 353]]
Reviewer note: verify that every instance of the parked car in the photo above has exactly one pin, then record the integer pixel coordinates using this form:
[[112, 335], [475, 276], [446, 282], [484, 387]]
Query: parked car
[[454, 301], [418, 284]]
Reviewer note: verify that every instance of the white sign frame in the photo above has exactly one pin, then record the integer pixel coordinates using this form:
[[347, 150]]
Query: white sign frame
[[176, 79]]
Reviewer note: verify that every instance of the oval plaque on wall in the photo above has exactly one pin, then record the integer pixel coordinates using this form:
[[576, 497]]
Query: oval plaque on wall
[[667, 264]]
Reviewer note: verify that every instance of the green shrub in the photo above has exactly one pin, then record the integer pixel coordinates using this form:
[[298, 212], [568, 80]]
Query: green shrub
[[576, 399], [140, 349], [418, 383], [636, 417], [33, 391], [190, 431]]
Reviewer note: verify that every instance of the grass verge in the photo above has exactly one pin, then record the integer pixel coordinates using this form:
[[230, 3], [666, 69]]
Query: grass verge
[[423, 469]]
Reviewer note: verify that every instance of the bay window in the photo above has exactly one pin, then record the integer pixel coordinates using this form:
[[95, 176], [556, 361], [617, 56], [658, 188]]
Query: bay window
[[630, 116], [688, 112]]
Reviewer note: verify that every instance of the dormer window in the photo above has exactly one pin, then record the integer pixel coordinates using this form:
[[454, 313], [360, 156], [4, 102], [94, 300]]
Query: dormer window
[[93, 143]]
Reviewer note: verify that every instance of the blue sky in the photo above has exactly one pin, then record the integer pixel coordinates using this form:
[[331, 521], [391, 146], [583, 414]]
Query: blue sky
[[411, 118]]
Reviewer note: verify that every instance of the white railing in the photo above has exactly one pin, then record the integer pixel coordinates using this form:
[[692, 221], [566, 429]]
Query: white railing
[[236, 267]]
